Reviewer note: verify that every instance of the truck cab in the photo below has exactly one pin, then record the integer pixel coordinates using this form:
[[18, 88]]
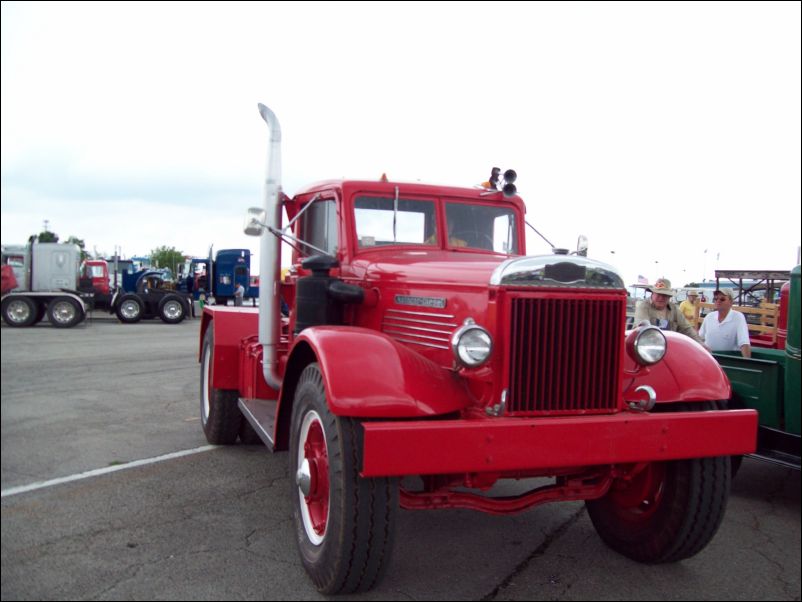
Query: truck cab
[[95, 276], [218, 275], [422, 343]]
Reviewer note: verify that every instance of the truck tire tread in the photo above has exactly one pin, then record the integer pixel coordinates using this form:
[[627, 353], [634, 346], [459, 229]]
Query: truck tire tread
[[221, 421], [359, 538], [688, 514]]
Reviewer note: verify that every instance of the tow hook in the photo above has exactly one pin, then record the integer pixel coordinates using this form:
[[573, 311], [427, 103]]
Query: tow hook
[[498, 409], [644, 405]]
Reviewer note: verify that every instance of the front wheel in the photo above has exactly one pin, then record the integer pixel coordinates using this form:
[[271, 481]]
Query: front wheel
[[344, 523], [664, 511]]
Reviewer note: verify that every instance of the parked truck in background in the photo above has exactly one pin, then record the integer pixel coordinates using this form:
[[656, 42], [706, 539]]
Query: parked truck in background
[[150, 293], [425, 358], [218, 275], [47, 279], [769, 382], [51, 280]]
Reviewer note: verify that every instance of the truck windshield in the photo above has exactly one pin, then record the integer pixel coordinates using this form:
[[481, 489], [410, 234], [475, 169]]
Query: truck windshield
[[379, 223], [486, 227]]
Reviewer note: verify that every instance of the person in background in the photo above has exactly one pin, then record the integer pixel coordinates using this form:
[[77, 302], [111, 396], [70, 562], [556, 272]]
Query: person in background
[[239, 293], [659, 310], [688, 307], [725, 329]]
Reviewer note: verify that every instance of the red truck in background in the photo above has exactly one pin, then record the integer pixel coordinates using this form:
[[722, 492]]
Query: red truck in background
[[426, 357]]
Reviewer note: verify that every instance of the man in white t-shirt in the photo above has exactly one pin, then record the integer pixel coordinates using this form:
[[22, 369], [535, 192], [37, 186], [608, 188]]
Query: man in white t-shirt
[[725, 329]]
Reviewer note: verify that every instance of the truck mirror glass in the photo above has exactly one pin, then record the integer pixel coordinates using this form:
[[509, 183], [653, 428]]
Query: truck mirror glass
[[254, 222]]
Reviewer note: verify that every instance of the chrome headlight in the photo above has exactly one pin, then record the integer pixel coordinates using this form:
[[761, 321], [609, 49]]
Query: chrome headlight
[[471, 344], [646, 345]]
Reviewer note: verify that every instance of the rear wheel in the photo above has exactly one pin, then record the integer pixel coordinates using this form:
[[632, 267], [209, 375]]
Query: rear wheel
[[172, 309], [64, 312], [220, 416], [344, 524], [664, 511], [19, 311], [129, 309]]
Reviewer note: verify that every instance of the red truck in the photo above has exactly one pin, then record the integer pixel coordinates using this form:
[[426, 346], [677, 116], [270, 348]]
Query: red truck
[[425, 357]]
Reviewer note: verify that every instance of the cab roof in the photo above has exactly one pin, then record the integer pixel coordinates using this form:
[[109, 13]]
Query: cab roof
[[347, 187]]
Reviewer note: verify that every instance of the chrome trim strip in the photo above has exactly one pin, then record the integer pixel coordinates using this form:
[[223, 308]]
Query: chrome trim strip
[[451, 325], [421, 328], [420, 336], [443, 347], [421, 313]]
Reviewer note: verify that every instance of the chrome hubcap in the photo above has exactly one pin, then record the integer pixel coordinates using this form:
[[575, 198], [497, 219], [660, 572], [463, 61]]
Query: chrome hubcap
[[172, 309], [303, 478]]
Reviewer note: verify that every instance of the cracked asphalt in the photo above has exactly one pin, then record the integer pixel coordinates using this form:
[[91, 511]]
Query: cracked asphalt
[[217, 524]]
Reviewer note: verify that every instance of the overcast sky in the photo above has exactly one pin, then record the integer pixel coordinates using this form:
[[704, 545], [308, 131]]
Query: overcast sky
[[668, 133]]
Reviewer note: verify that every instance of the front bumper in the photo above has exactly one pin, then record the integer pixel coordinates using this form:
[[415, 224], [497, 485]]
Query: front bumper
[[520, 444]]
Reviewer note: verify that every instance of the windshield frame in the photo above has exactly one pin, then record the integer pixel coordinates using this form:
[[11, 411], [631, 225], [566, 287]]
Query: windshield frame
[[513, 206]]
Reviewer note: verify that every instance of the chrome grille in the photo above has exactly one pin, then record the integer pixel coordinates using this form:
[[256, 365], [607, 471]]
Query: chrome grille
[[565, 354]]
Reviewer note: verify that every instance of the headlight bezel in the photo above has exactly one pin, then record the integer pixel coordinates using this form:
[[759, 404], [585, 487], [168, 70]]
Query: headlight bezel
[[459, 344], [637, 342]]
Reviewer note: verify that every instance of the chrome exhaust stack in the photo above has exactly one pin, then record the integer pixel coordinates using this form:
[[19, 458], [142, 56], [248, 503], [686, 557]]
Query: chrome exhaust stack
[[270, 253]]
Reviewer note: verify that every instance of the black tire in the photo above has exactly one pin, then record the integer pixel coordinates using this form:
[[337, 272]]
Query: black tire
[[668, 511], [345, 527], [247, 434], [220, 416], [172, 309], [735, 461], [64, 312], [735, 465], [129, 309], [19, 311]]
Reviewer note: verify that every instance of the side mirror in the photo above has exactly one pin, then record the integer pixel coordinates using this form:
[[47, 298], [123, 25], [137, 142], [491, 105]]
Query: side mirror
[[582, 246], [254, 222]]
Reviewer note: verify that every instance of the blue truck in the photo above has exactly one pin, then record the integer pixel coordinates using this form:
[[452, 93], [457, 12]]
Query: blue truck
[[218, 275]]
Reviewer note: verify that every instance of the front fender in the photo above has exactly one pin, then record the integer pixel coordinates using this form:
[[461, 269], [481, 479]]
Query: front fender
[[686, 373], [370, 375]]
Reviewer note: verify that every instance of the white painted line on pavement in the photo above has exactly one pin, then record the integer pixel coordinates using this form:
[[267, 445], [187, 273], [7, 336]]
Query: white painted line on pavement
[[101, 471]]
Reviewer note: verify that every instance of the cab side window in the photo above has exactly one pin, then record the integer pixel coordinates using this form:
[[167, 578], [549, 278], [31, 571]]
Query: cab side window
[[319, 227]]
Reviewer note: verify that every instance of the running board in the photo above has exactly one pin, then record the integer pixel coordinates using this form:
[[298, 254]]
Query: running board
[[261, 414]]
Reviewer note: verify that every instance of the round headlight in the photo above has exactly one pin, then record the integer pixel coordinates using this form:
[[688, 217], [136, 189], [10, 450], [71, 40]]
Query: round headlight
[[649, 345], [471, 344]]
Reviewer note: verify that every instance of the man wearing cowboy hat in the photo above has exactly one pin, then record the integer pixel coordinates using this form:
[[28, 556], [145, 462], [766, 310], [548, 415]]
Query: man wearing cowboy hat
[[688, 307], [659, 310]]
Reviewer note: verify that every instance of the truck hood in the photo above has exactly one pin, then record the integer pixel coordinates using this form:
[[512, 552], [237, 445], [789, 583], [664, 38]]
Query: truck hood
[[474, 269], [427, 267]]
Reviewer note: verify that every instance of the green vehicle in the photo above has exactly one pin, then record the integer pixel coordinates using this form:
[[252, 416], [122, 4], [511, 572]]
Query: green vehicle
[[769, 382]]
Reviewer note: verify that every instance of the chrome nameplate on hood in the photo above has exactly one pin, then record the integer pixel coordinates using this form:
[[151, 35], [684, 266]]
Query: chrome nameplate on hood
[[432, 302]]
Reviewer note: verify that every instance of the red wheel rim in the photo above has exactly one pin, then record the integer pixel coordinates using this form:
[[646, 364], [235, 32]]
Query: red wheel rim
[[313, 462], [637, 499]]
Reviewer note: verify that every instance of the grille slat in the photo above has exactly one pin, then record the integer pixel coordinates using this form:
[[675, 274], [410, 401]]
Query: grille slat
[[564, 355]]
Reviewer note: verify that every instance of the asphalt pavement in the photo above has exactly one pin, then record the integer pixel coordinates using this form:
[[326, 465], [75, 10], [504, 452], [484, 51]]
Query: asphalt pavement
[[107, 399]]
